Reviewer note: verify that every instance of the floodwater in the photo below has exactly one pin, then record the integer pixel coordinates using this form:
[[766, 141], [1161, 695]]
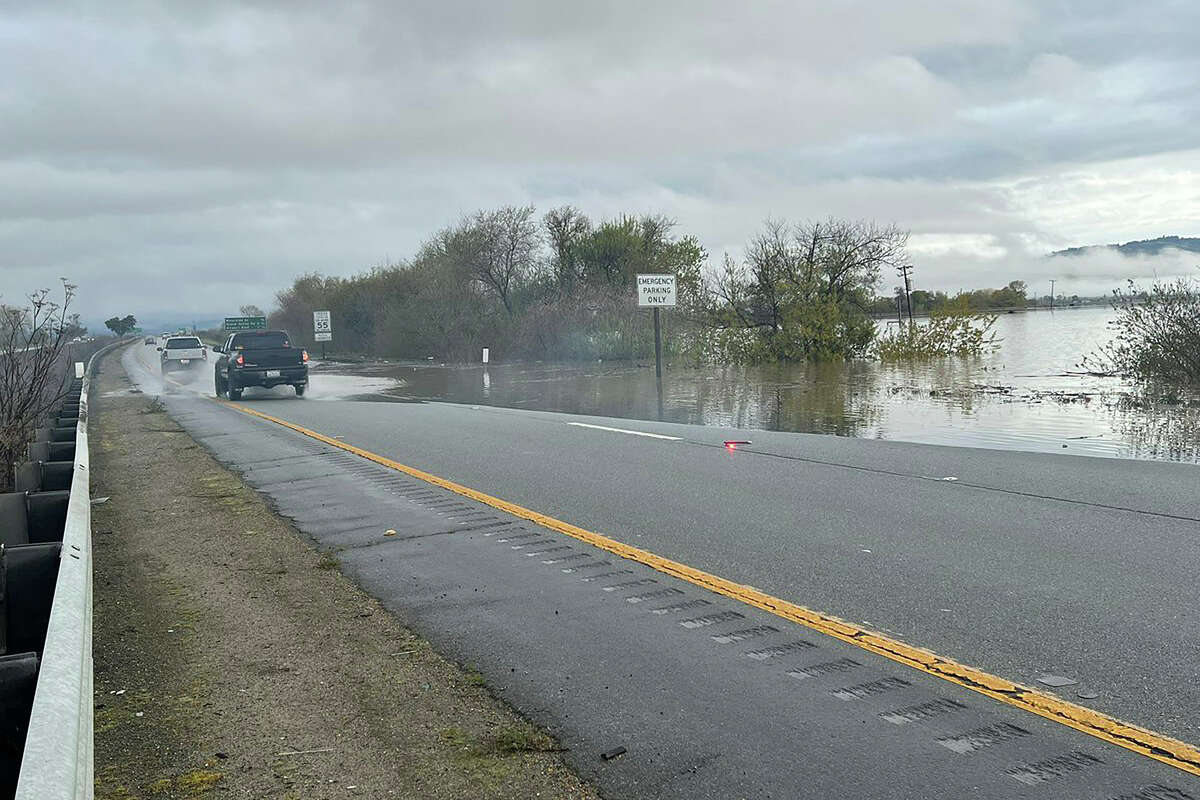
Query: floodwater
[[1021, 397], [141, 362]]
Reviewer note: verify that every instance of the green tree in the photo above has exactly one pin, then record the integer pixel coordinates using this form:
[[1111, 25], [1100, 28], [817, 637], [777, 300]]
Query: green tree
[[121, 325]]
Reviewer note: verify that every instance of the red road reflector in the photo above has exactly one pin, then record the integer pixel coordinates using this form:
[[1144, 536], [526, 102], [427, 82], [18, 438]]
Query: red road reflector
[[733, 443]]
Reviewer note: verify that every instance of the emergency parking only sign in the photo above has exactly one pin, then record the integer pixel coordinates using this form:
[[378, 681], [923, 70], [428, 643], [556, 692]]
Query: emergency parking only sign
[[656, 291]]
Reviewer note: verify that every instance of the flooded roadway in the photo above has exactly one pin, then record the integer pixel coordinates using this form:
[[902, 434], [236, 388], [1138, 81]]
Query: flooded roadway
[[1022, 397], [1028, 395]]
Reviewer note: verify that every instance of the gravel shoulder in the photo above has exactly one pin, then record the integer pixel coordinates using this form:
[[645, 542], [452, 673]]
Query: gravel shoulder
[[234, 660]]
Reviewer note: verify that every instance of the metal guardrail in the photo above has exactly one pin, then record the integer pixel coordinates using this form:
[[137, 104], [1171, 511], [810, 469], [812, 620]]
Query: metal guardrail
[[58, 763]]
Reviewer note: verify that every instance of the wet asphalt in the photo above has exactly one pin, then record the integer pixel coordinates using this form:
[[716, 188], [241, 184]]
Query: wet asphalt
[[1027, 564], [1023, 565]]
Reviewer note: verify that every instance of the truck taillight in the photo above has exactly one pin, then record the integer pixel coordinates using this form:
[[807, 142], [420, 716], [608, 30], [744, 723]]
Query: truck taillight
[[241, 359], [304, 355]]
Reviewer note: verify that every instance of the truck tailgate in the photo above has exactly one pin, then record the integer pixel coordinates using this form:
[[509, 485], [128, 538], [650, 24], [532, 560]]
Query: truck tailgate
[[272, 358]]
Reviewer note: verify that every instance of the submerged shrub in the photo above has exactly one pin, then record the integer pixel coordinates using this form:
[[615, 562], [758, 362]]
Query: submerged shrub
[[1156, 339], [953, 330]]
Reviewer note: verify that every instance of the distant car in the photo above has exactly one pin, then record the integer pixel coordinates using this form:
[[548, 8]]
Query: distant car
[[259, 358], [181, 352], [149, 340]]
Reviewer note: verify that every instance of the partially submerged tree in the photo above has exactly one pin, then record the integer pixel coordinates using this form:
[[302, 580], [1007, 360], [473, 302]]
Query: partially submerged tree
[[33, 345], [803, 290]]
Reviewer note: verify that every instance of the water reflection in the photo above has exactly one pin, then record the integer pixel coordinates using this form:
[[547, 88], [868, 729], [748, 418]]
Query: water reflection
[[1166, 433], [1022, 397]]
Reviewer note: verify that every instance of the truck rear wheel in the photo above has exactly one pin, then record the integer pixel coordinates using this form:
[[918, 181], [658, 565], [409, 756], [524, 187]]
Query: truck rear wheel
[[234, 392], [300, 387], [221, 386]]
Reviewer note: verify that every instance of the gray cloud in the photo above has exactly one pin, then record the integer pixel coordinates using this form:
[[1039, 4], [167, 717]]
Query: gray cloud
[[174, 155]]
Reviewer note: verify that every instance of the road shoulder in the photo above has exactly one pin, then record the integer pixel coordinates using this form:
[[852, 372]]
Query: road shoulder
[[233, 658]]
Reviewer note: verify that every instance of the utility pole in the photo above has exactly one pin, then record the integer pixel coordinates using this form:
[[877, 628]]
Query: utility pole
[[905, 271], [1052, 294]]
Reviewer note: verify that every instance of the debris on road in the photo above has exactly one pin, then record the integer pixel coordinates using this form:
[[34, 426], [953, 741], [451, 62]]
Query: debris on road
[[609, 755]]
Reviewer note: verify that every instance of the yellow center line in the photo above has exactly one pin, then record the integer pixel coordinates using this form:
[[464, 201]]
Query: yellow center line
[[1094, 723]]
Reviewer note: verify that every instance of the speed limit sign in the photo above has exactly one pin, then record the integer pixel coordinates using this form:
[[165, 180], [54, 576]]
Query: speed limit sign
[[322, 326]]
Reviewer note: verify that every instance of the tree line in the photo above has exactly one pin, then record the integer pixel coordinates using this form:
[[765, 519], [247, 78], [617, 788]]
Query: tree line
[[1014, 295], [561, 286]]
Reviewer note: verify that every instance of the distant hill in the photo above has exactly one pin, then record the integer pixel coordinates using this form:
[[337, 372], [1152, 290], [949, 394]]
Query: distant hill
[[1142, 247]]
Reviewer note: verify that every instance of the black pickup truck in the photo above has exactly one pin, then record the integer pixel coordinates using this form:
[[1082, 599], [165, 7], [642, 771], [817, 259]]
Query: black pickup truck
[[259, 358]]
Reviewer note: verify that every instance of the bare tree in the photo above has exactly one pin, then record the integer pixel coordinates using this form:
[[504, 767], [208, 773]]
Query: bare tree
[[771, 259], [501, 249], [729, 293], [843, 257], [33, 345], [251, 310]]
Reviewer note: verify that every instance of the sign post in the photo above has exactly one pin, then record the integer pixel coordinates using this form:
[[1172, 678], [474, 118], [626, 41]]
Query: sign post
[[657, 291], [322, 329]]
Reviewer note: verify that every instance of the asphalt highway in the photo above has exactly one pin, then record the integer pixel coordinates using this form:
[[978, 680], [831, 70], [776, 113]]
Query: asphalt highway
[[1024, 565]]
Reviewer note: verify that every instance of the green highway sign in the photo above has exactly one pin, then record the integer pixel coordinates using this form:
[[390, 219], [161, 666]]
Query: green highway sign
[[245, 323]]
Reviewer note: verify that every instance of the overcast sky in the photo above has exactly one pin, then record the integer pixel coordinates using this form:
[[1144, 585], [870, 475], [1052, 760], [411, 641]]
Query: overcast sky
[[193, 156]]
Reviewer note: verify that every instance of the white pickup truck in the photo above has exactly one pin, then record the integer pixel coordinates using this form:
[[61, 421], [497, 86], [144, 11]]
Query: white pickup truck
[[181, 352]]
